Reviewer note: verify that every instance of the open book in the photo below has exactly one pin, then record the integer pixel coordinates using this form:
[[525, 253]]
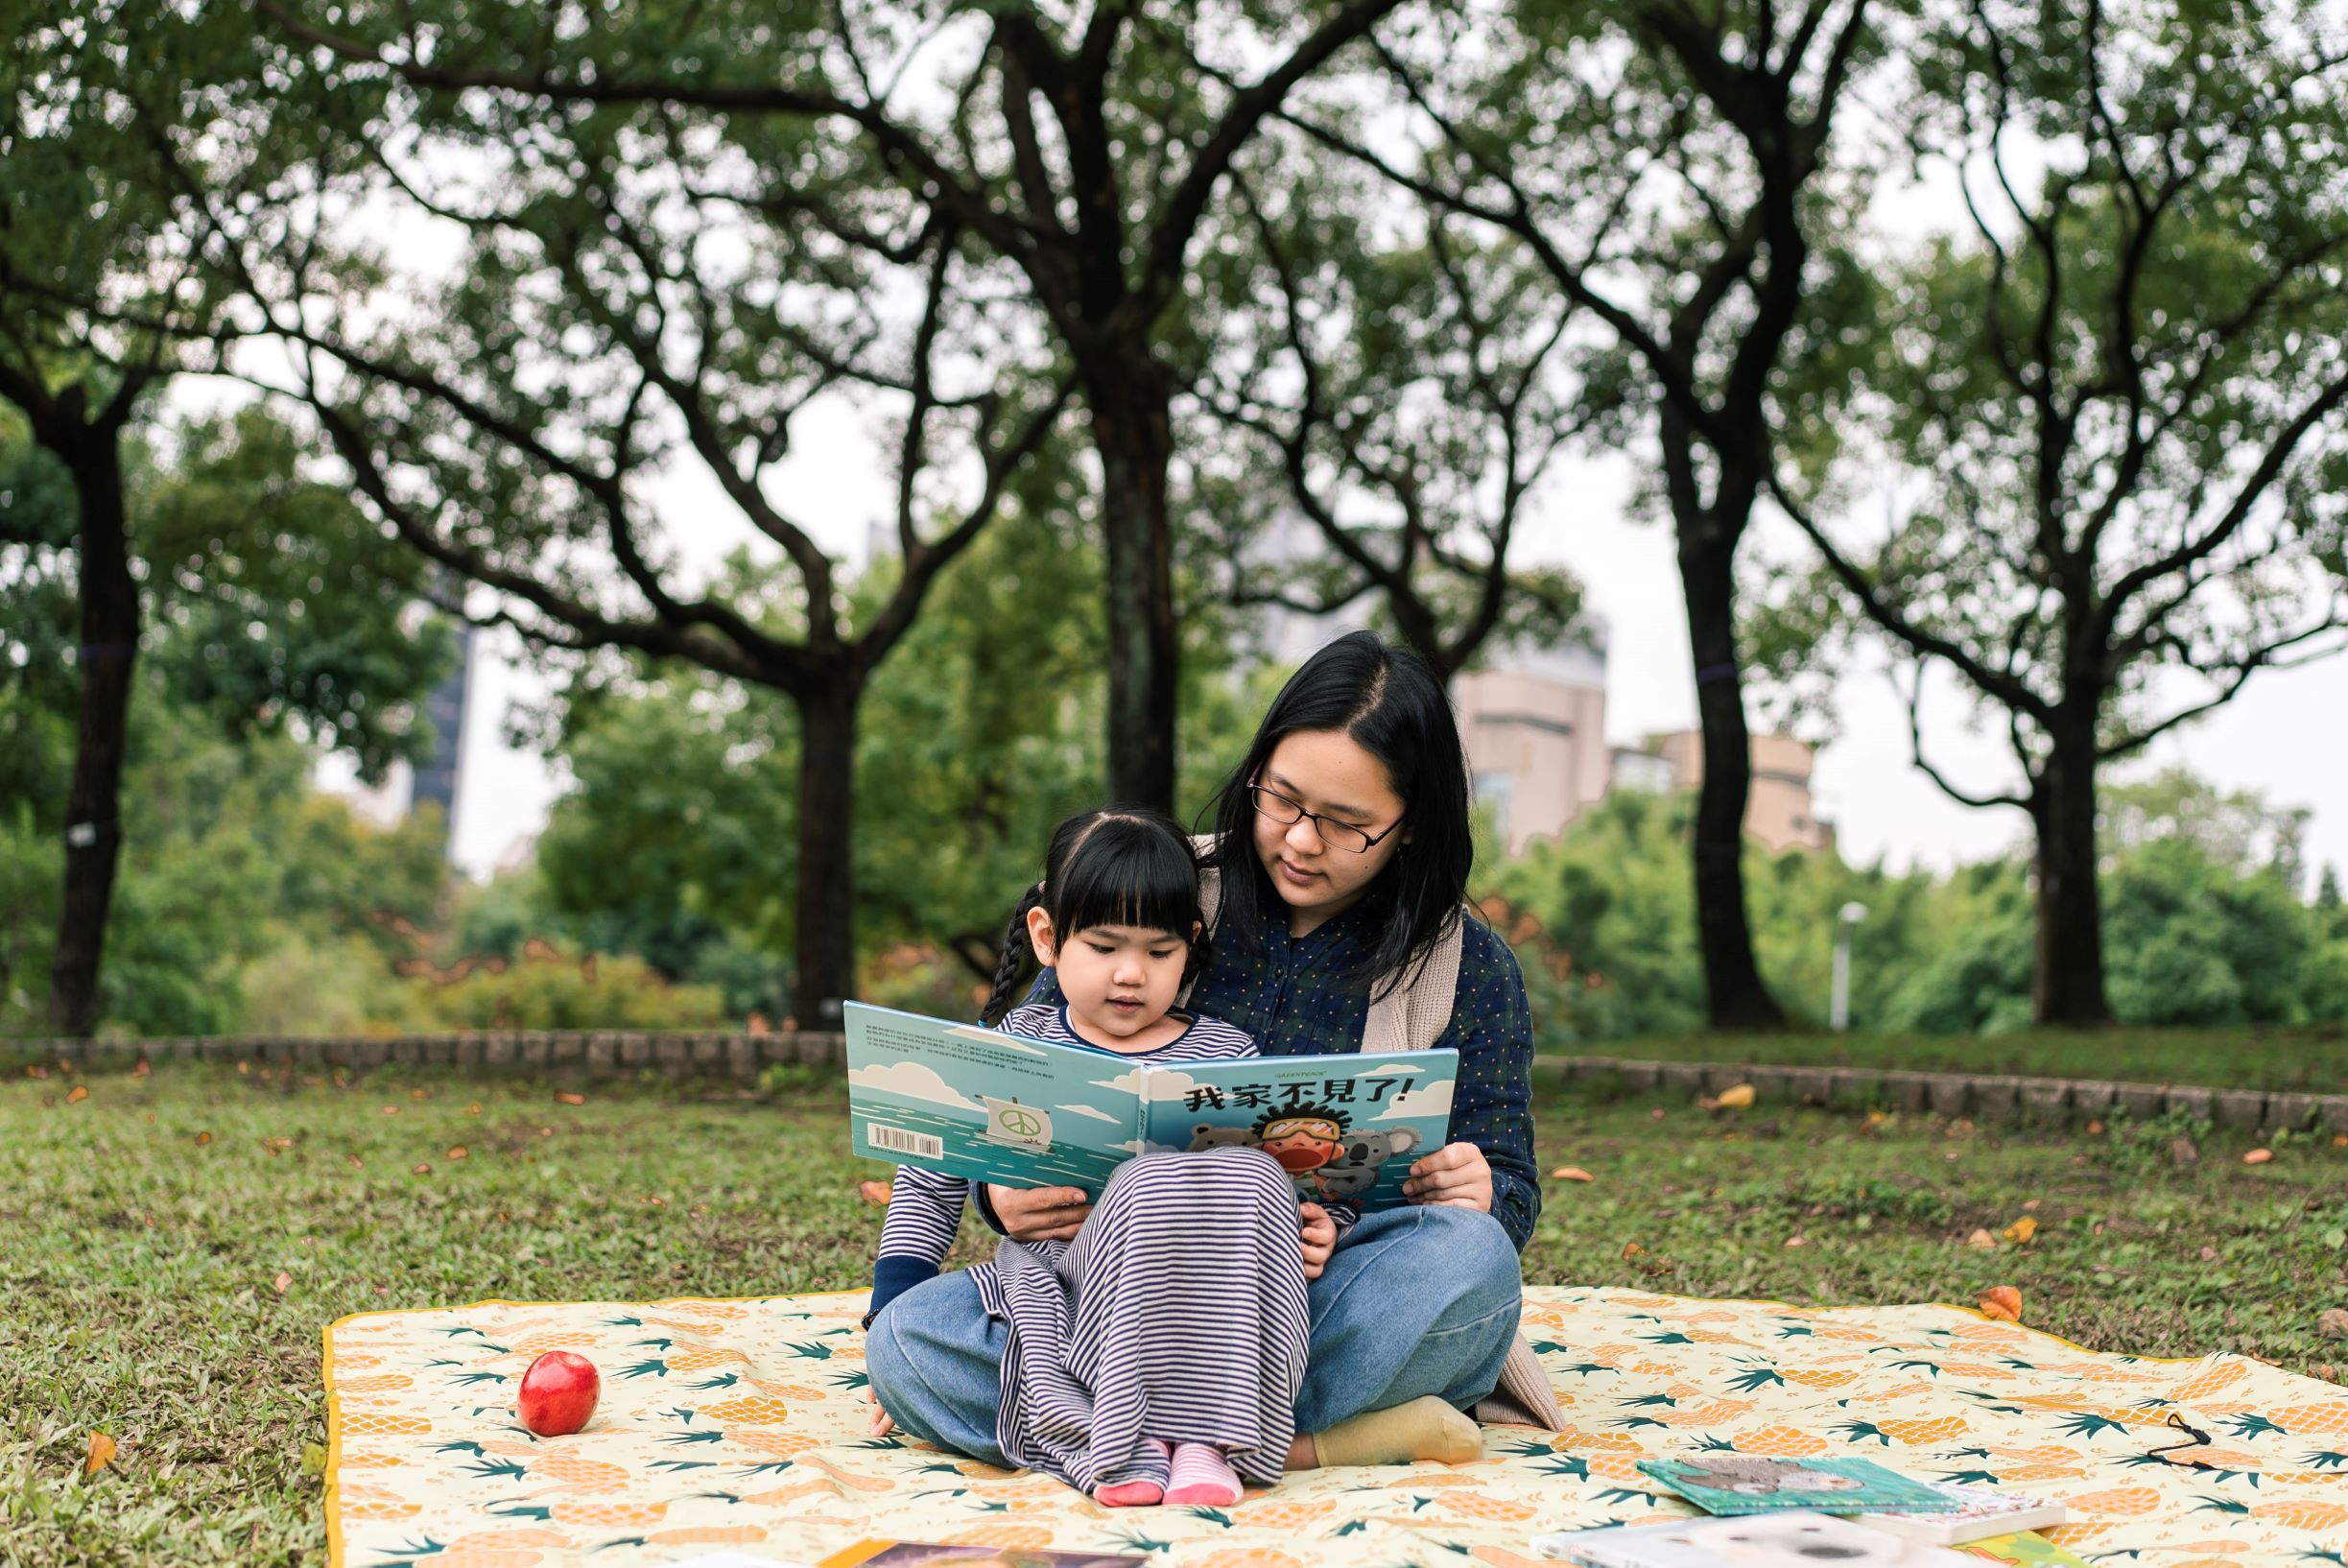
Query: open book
[[976, 1102]]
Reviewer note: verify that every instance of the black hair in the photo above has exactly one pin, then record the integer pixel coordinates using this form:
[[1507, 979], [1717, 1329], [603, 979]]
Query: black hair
[[1386, 700], [1120, 865]]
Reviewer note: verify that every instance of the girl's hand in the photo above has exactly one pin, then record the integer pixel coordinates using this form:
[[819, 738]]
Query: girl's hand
[[1318, 1234], [1039, 1214], [1455, 1175], [882, 1425]]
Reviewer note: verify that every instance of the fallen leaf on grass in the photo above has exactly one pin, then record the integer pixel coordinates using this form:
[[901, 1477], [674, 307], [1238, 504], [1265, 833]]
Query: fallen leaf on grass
[[244, 1067], [1981, 1237], [355, 1161], [458, 1152], [1571, 1173], [1736, 1097], [1797, 1240], [2020, 1230], [202, 1138], [142, 1070], [101, 1454], [2001, 1301], [570, 1098], [283, 1283], [2332, 1324], [2256, 1156], [80, 1092], [34, 1070], [1631, 1249], [421, 1170], [875, 1192], [391, 1110], [473, 1111]]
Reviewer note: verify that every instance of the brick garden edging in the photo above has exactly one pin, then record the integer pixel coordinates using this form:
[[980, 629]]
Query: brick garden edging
[[585, 1054], [1982, 1096], [607, 1054]]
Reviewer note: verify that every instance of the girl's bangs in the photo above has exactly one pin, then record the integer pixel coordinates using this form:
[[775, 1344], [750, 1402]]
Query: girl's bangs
[[1128, 873]]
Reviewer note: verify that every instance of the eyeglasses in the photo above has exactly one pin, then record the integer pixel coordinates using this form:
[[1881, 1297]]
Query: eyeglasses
[[1273, 806]]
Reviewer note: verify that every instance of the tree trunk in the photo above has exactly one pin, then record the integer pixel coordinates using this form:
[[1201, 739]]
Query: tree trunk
[[1133, 433], [109, 651], [1735, 997], [824, 907], [2067, 988]]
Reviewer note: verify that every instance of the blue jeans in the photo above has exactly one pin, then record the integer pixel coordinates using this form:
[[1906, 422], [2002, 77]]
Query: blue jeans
[[1417, 1301]]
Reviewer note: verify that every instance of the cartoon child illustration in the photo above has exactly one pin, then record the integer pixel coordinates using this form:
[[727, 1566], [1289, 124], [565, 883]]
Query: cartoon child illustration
[[1302, 1138]]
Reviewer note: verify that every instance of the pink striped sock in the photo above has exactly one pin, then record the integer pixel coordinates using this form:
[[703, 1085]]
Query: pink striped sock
[[1141, 1493], [1201, 1475]]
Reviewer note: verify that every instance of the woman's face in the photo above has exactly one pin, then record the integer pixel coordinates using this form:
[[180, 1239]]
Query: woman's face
[[1331, 775]]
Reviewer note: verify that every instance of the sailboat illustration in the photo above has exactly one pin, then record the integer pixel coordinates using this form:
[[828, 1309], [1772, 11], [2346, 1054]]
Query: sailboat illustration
[[1023, 1126]]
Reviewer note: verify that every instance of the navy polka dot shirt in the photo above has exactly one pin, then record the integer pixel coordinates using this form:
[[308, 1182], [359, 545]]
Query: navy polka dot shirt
[[1294, 999]]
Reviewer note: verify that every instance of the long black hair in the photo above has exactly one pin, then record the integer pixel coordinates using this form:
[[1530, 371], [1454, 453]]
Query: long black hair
[[1120, 865], [1381, 695]]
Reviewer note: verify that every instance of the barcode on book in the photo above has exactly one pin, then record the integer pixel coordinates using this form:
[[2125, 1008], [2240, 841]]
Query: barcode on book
[[899, 1140]]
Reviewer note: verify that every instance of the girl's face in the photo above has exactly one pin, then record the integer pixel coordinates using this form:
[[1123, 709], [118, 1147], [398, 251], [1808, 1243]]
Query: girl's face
[[1119, 980], [1331, 775]]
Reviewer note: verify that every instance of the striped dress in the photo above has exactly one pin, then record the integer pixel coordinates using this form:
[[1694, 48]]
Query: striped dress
[[1100, 1353]]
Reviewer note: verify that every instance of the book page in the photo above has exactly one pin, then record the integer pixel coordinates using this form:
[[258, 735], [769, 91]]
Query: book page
[[1345, 1126]]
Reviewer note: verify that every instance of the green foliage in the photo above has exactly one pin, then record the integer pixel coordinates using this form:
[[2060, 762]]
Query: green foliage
[[568, 989], [2201, 923]]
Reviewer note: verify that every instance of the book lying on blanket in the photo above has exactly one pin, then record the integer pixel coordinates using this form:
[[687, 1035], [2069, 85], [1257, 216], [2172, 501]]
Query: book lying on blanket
[[928, 1555], [1734, 1483], [977, 1102], [2022, 1551], [1774, 1540], [1980, 1512]]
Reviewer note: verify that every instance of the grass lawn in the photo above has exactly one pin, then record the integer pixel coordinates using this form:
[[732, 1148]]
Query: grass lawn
[[2313, 1060], [170, 1249]]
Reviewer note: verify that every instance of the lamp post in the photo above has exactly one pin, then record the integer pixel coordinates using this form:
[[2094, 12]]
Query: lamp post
[[1848, 917]]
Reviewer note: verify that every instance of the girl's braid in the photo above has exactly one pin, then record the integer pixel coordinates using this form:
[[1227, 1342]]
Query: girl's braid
[[1016, 945]]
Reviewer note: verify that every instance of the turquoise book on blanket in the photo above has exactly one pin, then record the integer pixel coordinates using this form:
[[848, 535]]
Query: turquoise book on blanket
[[977, 1102]]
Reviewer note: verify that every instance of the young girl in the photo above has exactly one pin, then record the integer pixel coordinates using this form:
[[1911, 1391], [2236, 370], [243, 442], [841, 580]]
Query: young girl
[[1157, 1354]]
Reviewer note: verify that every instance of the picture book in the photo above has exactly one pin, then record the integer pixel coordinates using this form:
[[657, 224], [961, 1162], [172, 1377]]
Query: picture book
[[1736, 1483], [1774, 1540], [1980, 1512], [926, 1555], [990, 1106], [2024, 1550]]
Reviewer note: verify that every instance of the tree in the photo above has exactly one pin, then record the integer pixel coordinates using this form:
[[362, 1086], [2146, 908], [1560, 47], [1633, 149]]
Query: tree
[[1076, 157], [1668, 167], [609, 322], [105, 293], [271, 613], [1402, 398], [2116, 411]]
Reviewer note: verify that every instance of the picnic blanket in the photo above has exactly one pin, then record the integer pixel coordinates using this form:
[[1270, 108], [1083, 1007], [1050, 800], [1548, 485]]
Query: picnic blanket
[[743, 1425]]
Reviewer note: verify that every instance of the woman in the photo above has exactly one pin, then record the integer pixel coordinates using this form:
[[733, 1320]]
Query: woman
[[1342, 856]]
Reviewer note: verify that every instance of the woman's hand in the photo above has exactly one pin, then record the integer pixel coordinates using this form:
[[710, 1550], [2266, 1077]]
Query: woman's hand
[[1318, 1233], [1039, 1214], [882, 1425], [1455, 1175]]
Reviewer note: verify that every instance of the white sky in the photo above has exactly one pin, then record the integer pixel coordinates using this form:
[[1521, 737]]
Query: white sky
[[2275, 738]]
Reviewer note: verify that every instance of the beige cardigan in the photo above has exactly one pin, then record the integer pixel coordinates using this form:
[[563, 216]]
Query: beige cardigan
[[1413, 1017]]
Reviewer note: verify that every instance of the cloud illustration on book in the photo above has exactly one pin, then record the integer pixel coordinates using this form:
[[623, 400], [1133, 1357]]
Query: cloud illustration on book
[[1435, 1100], [912, 1081], [1096, 1114], [1000, 1041]]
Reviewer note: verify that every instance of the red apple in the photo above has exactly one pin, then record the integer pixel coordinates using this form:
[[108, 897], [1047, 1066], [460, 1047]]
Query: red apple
[[558, 1393]]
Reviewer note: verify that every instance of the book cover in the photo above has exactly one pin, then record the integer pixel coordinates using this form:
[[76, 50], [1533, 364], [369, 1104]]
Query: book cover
[[2025, 1550], [1980, 1512], [1737, 1483], [928, 1555], [1773, 1540], [977, 1102]]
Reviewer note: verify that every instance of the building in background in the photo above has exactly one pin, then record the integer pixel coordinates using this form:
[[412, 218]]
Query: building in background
[[1779, 813], [1535, 726], [403, 789]]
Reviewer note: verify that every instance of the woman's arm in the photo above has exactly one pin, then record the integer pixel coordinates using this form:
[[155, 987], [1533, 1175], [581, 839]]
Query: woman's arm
[[1492, 1104]]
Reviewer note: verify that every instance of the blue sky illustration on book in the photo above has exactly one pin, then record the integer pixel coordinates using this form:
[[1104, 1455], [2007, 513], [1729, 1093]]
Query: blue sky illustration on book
[[978, 1103]]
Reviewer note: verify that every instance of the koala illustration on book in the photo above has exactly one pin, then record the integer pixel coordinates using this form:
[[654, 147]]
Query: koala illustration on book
[[1327, 1160]]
